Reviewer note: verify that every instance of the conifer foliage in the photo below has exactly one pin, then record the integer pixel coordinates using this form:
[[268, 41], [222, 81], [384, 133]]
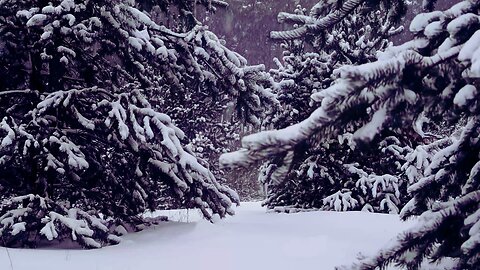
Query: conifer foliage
[[435, 75], [85, 141], [333, 174]]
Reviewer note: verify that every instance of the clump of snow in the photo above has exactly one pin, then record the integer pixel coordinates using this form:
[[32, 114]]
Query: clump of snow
[[135, 43], [461, 22], [27, 13], [64, 60], [368, 132], [76, 159], [470, 47], [341, 201], [433, 29], [421, 21], [464, 95], [18, 227], [48, 10], [140, 16], [7, 140], [67, 51], [36, 20], [70, 18], [459, 8]]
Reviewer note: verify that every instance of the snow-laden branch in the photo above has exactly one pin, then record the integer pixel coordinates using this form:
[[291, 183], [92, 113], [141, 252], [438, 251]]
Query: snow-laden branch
[[314, 25], [334, 100]]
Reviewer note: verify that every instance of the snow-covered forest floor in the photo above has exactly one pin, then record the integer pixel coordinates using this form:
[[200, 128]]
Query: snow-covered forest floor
[[252, 239]]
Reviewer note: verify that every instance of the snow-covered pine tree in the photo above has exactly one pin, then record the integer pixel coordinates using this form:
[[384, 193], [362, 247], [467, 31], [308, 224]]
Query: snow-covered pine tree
[[435, 75], [333, 174], [84, 140], [336, 177]]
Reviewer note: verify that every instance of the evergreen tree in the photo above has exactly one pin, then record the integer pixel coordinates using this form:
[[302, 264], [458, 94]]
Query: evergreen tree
[[85, 141], [333, 174], [434, 75]]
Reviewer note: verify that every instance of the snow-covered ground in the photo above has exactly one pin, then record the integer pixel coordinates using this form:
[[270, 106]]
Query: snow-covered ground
[[252, 239]]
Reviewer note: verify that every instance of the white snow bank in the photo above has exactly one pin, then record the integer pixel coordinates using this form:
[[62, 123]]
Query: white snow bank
[[253, 239]]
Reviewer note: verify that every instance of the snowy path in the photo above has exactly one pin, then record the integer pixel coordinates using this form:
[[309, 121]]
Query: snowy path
[[250, 240]]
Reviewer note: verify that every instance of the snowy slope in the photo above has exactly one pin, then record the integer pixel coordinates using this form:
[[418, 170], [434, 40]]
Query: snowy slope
[[252, 239]]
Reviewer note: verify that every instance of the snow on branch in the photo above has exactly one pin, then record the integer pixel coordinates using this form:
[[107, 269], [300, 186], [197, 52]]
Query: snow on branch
[[84, 135], [334, 102], [132, 123], [154, 54], [315, 25], [341, 201], [32, 213], [414, 239]]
